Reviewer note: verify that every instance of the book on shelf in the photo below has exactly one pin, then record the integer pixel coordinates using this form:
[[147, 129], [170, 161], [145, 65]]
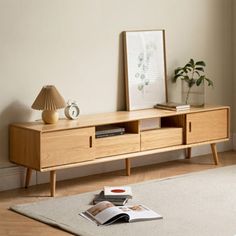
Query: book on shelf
[[108, 134], [108, 130], [117, 191], [105, 213], [117, 201], [173, 106]]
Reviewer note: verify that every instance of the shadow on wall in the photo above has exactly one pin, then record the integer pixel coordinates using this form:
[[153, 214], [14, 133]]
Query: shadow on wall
[[14, 112], [121, 77]]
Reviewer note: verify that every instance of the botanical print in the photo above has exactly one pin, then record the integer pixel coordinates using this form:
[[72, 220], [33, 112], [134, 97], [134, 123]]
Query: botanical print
[[143, 64], [146, 69]]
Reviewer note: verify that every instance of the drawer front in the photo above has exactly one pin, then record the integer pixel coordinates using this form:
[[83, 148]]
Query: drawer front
[[207, 126], [66, 147], [159, 138], [116, 145]]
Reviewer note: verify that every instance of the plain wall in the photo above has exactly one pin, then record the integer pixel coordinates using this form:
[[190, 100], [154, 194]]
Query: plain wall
[[76, 45]]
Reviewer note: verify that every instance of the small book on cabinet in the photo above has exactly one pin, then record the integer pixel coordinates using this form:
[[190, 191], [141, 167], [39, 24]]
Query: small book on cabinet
[[173, 106], [105, 213]]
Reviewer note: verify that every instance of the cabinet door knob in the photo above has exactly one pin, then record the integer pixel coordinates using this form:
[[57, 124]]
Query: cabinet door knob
[[190, 127], [90, 141]]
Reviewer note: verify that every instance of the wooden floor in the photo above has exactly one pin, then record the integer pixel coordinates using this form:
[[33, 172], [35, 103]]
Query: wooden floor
[[12, 224]]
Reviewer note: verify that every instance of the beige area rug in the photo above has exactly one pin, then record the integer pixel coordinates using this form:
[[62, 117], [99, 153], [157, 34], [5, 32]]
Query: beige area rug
[[202, 203]]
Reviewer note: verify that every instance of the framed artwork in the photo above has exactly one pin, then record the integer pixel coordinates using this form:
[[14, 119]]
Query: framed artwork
[[145, 68]]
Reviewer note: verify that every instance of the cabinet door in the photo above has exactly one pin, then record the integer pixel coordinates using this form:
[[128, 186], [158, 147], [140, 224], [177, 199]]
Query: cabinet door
[[66, 147], [206, 126]]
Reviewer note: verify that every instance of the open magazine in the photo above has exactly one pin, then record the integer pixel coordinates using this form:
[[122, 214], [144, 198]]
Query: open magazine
[[105, 213]]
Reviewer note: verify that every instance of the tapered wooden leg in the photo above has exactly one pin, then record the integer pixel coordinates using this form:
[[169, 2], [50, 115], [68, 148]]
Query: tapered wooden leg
[[127, 165], [214, 153], [188, 152], [53, 182], [28, 177]]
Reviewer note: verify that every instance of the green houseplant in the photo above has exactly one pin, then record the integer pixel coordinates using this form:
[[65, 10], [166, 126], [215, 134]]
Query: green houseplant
[[192, 75]]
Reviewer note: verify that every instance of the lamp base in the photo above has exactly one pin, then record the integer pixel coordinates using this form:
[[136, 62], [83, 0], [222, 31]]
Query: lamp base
[[50, 117]]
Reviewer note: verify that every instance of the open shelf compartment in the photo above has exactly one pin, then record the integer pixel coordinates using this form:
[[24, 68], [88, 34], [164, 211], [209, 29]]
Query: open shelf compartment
[[112, 144]]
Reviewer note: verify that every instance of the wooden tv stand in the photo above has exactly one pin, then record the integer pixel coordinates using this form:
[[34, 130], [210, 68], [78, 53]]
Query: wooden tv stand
[[71, 143]]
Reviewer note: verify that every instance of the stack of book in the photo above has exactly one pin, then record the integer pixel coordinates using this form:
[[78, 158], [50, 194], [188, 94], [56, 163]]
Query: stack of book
[[109, 207], [116, 195], [108, 130], [173, 106]]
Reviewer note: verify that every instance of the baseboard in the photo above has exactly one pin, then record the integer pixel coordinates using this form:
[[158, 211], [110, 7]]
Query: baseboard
[[234, 141], [13, 177]]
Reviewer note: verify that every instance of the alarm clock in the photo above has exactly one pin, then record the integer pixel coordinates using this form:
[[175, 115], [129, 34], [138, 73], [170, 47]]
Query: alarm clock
[[72, 110]]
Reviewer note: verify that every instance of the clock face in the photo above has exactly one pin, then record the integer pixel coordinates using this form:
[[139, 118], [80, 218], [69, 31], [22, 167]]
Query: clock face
[[72, 112]]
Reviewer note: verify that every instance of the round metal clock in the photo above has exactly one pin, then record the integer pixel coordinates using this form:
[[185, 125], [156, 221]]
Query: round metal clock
[[72, 111]]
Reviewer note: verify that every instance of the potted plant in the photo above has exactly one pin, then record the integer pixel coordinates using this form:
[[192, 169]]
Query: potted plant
[[193, 77]]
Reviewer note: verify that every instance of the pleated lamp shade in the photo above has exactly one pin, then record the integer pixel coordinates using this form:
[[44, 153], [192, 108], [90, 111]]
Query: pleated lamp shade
[[49, 100]]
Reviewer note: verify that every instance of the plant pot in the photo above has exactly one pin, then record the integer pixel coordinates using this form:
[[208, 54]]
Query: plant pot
[[194, 96]]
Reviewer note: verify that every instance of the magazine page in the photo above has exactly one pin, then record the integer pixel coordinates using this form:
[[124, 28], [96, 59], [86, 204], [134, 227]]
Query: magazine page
[[140, 212], [105, 212]]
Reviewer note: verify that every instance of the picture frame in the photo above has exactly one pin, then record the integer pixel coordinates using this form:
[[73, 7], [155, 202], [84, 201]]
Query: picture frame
[[145, 68]]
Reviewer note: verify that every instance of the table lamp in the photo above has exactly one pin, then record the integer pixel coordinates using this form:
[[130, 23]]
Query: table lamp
[[49, 100]]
